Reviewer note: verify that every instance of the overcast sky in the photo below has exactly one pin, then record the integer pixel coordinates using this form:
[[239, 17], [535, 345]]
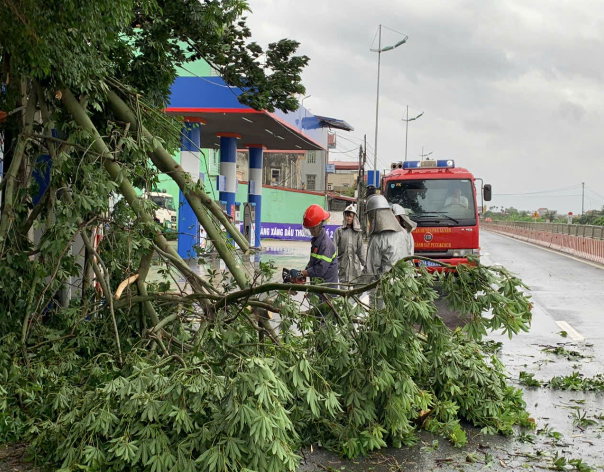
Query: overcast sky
[[511, 89]]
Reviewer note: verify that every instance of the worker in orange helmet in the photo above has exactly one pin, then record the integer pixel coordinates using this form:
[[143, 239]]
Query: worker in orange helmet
[[323, 264]]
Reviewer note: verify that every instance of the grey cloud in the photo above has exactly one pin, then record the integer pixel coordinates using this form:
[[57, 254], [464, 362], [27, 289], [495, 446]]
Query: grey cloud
[[510, 88], [572, 111]]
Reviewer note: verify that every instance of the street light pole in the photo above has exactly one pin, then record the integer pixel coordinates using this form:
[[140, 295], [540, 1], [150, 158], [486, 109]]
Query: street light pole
[[407, 120], [380, 50]]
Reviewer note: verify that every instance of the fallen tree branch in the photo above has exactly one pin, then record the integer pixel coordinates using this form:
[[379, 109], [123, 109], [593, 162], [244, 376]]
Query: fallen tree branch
[[113, 169], [106, 286], [186, 270], [125, 283], [143, 270], [166, 163], [33, 215], [159, 326]]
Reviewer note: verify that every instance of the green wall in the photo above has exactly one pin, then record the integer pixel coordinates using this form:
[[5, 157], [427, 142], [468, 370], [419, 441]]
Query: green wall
[[168, 184], [281, 206]]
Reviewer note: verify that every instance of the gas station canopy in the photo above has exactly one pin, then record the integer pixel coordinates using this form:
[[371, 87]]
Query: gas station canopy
[[209, 101]]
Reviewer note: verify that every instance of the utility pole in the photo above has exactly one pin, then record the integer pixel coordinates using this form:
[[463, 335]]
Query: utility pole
[[361, 185], [377, 106], [422, 155], [583, 198], [359, 181]]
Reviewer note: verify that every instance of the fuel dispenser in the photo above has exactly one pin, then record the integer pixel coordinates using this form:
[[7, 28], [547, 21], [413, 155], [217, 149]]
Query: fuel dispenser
[[249, 223], [236, 214]]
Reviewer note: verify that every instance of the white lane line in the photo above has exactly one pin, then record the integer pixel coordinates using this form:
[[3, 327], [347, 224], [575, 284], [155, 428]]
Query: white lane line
[[572, 332], [560, 253]]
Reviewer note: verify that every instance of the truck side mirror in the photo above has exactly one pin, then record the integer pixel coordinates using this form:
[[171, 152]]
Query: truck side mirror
[[486, 190]]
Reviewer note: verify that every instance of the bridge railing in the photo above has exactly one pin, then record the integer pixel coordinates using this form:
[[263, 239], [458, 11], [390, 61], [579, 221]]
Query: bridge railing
[[584, 231], [585, 241]]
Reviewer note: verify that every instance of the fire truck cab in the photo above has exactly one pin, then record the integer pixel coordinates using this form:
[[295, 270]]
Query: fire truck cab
[[165, 214], [442, 199]]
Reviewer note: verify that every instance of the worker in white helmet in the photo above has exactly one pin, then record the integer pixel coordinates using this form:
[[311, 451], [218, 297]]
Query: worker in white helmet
[[349, 242], [407, 224], [387, 242]]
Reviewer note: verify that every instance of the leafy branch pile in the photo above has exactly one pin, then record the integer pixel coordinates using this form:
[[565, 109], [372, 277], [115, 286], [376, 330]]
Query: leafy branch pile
[[218, 398], [102, 368]]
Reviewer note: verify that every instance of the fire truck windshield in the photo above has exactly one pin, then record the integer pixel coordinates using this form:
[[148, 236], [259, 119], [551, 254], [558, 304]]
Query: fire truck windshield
[[163, 201], [447, 201]]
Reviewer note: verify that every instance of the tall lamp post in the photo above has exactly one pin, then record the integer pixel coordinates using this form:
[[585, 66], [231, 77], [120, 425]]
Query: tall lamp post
[[407, 120], [380, 50]]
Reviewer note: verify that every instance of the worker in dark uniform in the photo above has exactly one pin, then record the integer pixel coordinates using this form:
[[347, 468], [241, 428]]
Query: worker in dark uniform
[[323, 264], [322, 268]]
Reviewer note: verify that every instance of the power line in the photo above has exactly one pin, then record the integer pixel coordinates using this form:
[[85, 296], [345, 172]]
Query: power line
[[344, 152], [358, 140], [593, 191], [369, 150]]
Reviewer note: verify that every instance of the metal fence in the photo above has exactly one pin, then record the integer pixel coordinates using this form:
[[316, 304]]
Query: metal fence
[[584, 231]]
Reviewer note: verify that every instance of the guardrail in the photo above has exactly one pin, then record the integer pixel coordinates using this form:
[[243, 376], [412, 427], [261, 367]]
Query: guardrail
[[584, 241], [584, 231]]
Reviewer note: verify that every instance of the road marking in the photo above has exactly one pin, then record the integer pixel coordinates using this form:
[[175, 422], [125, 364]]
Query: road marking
[[593, 264], [572, 332]]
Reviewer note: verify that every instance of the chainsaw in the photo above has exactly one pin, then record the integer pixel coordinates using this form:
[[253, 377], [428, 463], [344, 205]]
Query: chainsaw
[[293, 276]]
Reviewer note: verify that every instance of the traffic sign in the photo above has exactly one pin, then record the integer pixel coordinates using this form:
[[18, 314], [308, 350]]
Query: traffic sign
[[371, 180]]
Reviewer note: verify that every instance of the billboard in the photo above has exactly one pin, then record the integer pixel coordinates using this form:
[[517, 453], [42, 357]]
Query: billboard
[[331, 140]]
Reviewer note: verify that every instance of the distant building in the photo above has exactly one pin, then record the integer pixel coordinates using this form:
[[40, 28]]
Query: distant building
[[345, 176], [542, 211], [313, 171], [280, 168]]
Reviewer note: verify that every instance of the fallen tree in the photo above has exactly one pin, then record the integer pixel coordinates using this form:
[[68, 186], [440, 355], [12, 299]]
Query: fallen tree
[[129, 373]]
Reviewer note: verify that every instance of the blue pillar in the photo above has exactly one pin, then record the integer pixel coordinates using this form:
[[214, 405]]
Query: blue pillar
[[188, 226], [228, 169], [255, 186]]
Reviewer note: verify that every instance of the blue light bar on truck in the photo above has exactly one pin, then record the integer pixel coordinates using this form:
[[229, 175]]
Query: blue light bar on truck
[[428, 164]]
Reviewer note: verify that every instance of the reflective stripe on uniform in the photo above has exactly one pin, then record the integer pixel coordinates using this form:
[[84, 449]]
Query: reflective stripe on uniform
[[324, 258]]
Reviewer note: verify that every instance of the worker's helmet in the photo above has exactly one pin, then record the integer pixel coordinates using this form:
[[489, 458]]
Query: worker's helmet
[[350, 209], [407, 222], [314, 215], [377, 202], [398, 210]]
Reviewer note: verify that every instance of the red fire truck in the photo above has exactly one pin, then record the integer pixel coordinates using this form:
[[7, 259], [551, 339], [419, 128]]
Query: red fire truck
[[442, 199]]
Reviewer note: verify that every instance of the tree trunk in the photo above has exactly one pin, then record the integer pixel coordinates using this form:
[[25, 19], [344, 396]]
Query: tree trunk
[[166, 163], [13, 170], [143, 270], [129, 193]]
